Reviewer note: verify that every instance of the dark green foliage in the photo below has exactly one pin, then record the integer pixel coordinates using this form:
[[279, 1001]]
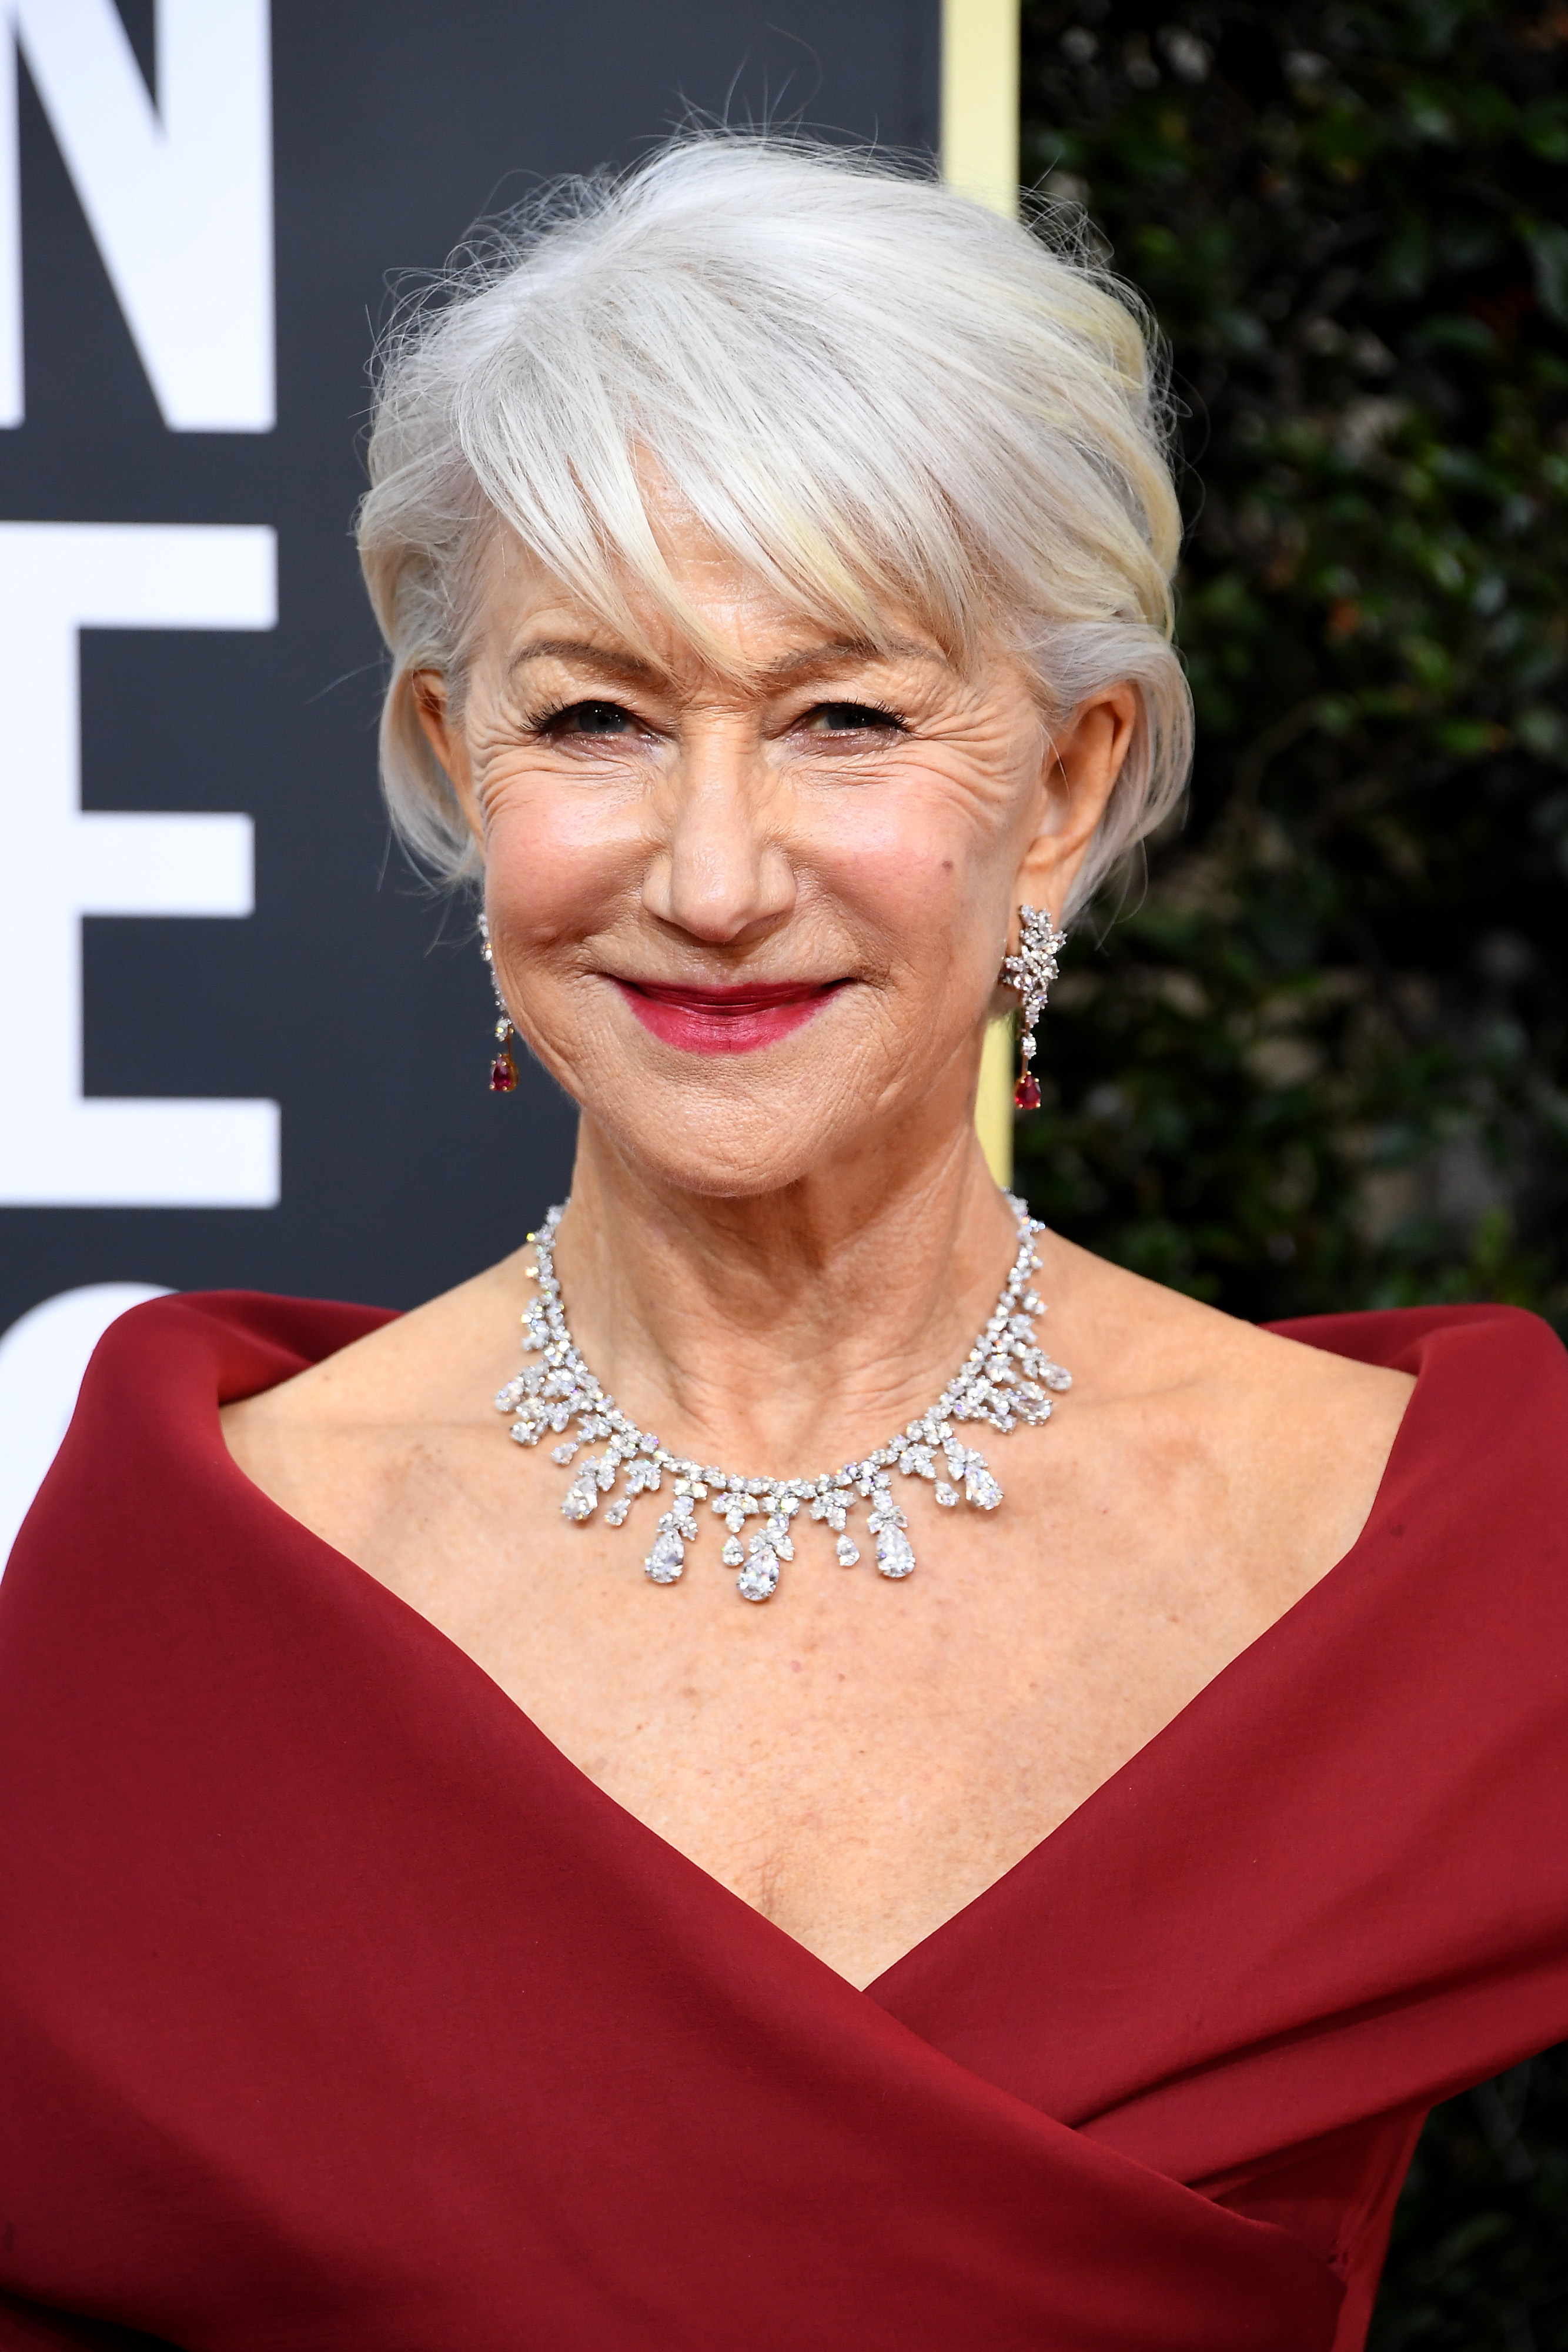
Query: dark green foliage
[[1324, 1062], [1321, 1061], [1479, 2257]]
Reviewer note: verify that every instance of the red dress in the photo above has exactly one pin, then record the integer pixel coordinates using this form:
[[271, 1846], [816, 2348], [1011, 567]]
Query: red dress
[[339, 2012]]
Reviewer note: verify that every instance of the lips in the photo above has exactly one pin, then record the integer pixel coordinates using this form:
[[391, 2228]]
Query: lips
[[725, 1020]]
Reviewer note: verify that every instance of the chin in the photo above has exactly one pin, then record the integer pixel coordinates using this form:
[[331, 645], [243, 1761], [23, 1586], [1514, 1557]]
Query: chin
[[727, 1157], [738, 1140]]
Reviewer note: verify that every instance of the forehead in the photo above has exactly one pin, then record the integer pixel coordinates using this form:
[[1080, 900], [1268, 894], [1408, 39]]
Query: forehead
[[730, 623]]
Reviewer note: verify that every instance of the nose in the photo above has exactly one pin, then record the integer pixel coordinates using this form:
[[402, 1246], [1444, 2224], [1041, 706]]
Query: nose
[[720, 872]]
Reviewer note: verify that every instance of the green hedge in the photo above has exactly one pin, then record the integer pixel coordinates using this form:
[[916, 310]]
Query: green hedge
[[1321, 1061]]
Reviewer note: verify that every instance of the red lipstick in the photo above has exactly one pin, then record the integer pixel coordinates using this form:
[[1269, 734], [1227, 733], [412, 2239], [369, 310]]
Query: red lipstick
[[725, 1020]]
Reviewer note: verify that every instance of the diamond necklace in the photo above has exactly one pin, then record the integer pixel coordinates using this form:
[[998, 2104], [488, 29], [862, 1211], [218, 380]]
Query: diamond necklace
[[1003, 1381]]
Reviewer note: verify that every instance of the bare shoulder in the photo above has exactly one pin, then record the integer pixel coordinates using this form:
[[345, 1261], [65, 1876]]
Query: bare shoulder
[[420, 1367], [357, 1446], [1280, 1445], [1141, 1335]]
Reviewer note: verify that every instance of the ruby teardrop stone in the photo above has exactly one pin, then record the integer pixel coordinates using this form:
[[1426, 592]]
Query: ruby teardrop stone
[[1026, 1094], [503, 1074]]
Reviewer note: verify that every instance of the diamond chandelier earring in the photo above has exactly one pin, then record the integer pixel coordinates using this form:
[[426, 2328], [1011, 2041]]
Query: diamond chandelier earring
[[503, 1069], [1031, 971]]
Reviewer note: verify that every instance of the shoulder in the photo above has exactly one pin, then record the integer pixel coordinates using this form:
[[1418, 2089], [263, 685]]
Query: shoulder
[[217, 1345], [145, 1445], [336, 1444], [161, 1371], [1143, 1340], [1492, 1385], [1479, 1476], [1484, 1341], [1161, 1335], [1452, 1419], [391, 1372], [150, 1573], [1486, 1439]]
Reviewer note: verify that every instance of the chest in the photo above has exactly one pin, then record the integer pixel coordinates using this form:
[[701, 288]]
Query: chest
[[858, 1758]]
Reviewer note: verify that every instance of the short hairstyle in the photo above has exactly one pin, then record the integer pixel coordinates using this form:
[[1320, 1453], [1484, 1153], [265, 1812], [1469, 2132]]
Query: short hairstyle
[[873, 393]]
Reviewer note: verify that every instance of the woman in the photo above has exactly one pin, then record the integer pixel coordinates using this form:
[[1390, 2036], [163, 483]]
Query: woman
[[445, 1916]]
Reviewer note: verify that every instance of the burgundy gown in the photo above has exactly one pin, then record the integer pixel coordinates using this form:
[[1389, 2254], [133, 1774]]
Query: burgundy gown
[[339, 2012]]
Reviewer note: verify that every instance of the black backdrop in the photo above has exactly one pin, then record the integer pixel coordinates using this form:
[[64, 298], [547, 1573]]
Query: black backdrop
[[341, 997]]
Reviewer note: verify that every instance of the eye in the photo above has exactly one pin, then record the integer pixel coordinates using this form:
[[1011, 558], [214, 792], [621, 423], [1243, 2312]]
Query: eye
[[589, 719], [851, 718]]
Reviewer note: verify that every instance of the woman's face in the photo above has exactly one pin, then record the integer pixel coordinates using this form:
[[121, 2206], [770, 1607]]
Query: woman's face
[[752, 919]]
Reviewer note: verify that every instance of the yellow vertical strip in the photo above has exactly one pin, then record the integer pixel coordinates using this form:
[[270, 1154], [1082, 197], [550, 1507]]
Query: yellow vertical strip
[[980, 100], [980, 156], [994, 1102]]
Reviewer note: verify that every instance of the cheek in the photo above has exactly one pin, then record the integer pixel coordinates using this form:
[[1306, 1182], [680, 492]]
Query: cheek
[[559, 861], [926, 888]]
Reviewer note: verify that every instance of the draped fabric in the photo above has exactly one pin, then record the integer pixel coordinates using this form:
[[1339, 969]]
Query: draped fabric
[[340, 2012]]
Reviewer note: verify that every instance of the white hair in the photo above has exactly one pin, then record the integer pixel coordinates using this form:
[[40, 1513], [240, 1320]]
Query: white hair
[[876, 394]]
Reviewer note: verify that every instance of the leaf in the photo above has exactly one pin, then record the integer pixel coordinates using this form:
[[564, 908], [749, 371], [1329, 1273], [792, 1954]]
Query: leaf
[[1548, 241]]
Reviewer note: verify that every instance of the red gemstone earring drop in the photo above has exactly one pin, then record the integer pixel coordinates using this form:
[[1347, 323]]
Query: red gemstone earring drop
[[1031, 971], [503, 1069]]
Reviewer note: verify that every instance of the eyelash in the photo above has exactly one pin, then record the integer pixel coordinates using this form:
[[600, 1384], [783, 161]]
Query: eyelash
[[879, 710], [541, 722], [545, 721]]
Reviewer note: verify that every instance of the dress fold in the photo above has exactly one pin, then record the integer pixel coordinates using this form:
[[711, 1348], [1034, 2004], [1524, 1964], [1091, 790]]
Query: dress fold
[[340, 2010]]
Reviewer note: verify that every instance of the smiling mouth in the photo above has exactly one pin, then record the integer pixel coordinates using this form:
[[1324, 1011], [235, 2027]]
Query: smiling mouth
[[725, 1020]]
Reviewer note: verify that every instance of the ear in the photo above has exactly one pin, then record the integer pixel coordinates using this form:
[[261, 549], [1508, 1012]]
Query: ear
[[432, 706], [1082, 764]]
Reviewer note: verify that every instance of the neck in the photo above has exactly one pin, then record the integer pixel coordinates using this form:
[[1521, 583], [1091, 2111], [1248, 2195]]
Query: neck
[[783, 1334]]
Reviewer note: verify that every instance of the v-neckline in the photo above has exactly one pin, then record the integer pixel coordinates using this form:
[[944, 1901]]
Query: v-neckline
[[1036, 1858]]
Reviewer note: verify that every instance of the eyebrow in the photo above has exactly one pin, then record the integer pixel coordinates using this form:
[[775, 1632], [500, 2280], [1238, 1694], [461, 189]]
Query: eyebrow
[[841, 652], [583, 649]]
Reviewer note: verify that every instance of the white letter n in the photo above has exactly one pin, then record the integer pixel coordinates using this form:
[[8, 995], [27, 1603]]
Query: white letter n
[[178, 196]]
